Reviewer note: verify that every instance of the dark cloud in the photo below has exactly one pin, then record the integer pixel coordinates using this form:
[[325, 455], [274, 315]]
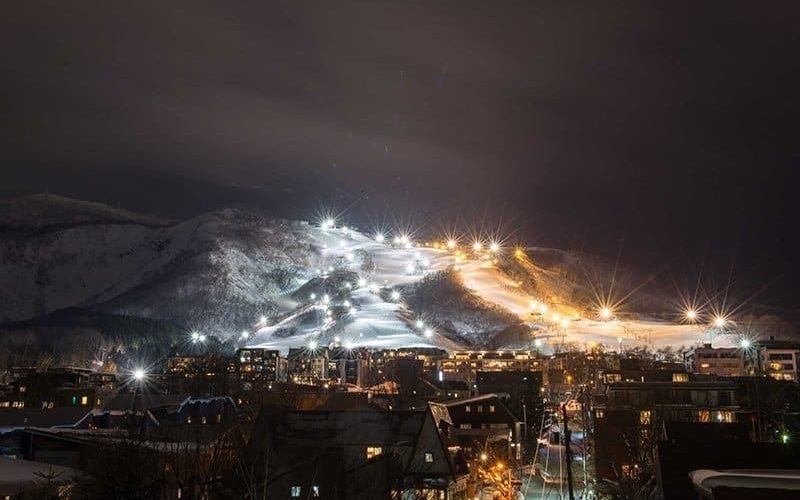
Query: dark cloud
[[673, 124]]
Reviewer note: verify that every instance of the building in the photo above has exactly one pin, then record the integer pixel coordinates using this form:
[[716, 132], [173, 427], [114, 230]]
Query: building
[[722, 362], [464, 365], [522, 387], [308, 366], [350, 454], [260, 367], [483, 422], [778, 359], [629, 416]]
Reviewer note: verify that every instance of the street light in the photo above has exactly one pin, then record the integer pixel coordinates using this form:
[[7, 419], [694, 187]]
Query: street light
[[605, 313], [719, 322], [139, 374], [691, 315]]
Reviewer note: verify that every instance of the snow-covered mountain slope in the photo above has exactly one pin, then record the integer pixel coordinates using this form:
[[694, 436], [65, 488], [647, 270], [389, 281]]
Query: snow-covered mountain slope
[[42, 210], [288, 283]]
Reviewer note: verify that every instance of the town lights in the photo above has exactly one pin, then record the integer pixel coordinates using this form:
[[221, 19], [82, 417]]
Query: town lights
[[328, 223], [139, 374], [484, 457], [564, 323], [537, 342], [451, 244], [494, 247], [745, 344], [395, 295], [380, 238], [420, 324], [477, 246], [691, 315], [349, 345], [605, 313], [245, 334], [312, 345], [719, 322], [428, 332], [262, 319]]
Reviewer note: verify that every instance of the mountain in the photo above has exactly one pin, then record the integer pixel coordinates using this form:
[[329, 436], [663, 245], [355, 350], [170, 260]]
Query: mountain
[[287, 283]]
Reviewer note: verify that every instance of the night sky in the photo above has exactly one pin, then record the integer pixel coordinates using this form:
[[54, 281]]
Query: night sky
[[668, 130]]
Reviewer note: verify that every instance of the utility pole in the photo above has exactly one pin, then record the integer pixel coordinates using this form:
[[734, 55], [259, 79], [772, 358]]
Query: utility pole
[[568, 449]]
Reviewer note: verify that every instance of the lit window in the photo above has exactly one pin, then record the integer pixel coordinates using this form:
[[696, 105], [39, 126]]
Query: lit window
[[315, 491], [294, 492], [468, 409], [428, 457], [203, 420], [84, 400], [680, 377], [599, 414], [644, 417], [703, 416], [491, 408], [704, 365], [373, 451]]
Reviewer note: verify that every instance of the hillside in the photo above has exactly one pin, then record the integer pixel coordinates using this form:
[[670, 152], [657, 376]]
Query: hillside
[[290, 283]]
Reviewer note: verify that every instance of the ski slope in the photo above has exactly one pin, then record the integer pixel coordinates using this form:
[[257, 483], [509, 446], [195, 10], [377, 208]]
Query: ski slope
[[373, 318]]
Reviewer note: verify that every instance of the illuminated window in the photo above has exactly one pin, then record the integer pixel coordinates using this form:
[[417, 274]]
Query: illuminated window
[[189, 419], [703, 416], [468, 409], [84, 400], [373, 451], [315, 491], [599, 414], [491, 408], [724, 416], [704, 365], [294, 492], [644, 417], [202, 420], [428, 457], [680, 377]]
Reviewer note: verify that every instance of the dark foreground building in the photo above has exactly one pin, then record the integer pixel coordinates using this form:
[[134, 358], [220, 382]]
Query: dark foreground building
[[350, 454]]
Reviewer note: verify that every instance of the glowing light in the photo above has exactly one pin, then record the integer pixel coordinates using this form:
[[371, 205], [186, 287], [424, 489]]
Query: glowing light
[[533, 305], [395, 295], [556, 317], [349, 345], [519, 253], [201, 338], [494, 247], [543, 307], [784, 438], [326, 298], [719, 322], [477, 246], [352, 310], [337, 339], [328, 223], [380, 238], [428, 332], [537, 342], [362, 282], [139, 374], [451, 244], [245, 334], [565, 323], [346, 303], [420, 324], [410, 268], [312, 296], [262, 319], [605, 313], [745, 344], [691, 314], [484, 457], [312, 344], [195, 336]]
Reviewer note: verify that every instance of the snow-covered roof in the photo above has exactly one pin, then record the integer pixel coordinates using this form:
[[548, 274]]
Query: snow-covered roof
[[705, 480], [20, 475]]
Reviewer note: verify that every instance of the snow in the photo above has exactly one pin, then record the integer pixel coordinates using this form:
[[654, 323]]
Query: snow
[[219, 273]]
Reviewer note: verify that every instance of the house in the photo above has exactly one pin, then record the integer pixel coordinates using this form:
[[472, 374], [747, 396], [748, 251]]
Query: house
[[483, 421], [627, 418], [323, 454], [723, 362]]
